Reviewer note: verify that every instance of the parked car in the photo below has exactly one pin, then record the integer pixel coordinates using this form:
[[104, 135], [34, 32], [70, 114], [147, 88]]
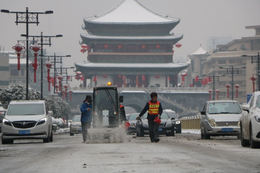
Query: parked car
[[132, 120], [250, 122], [27, 120], [2, 114], [220, 118], [166, 126], [175, 119], [75, 125]]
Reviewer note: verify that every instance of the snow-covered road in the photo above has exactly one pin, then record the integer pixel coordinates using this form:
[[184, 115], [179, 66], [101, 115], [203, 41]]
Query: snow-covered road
[[183, 153]]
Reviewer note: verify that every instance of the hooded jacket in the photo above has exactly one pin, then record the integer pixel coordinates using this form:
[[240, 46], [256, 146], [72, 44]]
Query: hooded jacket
[[86, 115]]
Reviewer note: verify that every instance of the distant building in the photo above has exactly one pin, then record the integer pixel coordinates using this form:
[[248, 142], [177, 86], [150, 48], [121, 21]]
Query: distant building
[[131, 46], [212, 42], [236, 53], [195, 69]]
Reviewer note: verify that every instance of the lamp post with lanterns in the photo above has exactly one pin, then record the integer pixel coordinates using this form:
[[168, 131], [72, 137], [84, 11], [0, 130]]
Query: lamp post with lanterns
[[42, 40], [253, 79], [27, 18], [231, 70]]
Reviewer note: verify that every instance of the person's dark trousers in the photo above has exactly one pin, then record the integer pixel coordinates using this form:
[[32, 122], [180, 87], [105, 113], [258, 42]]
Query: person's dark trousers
[[85, 127], [153, 130]]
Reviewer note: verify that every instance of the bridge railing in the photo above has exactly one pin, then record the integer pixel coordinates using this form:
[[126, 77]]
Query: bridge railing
[[154, 88], [190, 122]]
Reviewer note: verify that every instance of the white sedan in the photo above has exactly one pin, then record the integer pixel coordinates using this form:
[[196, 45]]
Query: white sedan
[[250, 122]]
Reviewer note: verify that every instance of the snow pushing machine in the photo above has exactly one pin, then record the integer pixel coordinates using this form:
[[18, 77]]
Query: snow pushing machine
[[107, 121]]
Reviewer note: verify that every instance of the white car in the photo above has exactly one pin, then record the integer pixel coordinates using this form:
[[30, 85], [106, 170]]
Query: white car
[[220, 118], [250, 122], [28, 119]]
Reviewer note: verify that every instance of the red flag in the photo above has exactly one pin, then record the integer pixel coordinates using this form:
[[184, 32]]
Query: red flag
[[95, 79]]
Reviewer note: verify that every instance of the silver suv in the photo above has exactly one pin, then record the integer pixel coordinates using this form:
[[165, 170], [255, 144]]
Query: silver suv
[[27, 120]]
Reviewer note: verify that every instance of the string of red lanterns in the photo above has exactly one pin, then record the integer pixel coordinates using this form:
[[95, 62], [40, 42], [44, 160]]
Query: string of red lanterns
[[35, 48]]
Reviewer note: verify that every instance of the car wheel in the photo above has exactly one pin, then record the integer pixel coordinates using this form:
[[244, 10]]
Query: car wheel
[[202, 136], [51, 138], [244, 143], [46, 140], [7, 141], [141, 132], [207, 136], [253, 144]]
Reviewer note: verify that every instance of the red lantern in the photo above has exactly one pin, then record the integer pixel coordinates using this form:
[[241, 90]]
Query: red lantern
[[227, 86], [18, 49], [77, 77], [60, 77], [104, 76], [236, 86], [70, 94], [196, 79], [83, 50], [143, 46], [105, 46], [119, 46], [56, 87], [210, 91], [157, 76], [217, 92], [183, 78], [253, 79], [65, 89], [157, 46], [48, 64], [35, 49], [178, 45], [78, 73], [84, 46]]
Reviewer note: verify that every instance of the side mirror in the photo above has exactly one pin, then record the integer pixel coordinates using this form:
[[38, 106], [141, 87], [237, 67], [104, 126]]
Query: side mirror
[[245, 107], [203, 113], [50, 113], [121, 99]]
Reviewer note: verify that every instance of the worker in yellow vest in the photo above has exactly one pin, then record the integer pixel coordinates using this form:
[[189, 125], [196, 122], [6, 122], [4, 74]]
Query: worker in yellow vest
[[154, 109]]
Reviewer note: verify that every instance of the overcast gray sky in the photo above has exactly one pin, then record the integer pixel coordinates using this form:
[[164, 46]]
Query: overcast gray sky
[[200, 19]]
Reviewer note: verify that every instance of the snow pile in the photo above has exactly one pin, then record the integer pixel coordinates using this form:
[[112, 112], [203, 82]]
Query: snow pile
[[107, 135]]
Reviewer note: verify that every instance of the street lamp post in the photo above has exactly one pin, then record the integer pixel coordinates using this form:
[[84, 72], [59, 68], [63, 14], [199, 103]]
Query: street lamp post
[[23, 17], [232, 71], [44, 40], [54, 61]]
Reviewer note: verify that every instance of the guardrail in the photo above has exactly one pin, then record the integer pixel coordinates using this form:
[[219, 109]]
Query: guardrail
[[190, 122]]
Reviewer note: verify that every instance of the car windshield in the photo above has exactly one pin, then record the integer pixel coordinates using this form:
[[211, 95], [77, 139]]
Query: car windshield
[[172, 114], [133, 116], [164, 115], [224, 108], [76, 119], [258, 102], [25, 109]]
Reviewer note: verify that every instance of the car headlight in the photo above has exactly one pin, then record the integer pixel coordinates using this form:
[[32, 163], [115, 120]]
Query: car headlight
[[257, 118], [42, 121], [177, 122], [212, 122], [7, 122], [238, 123]]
